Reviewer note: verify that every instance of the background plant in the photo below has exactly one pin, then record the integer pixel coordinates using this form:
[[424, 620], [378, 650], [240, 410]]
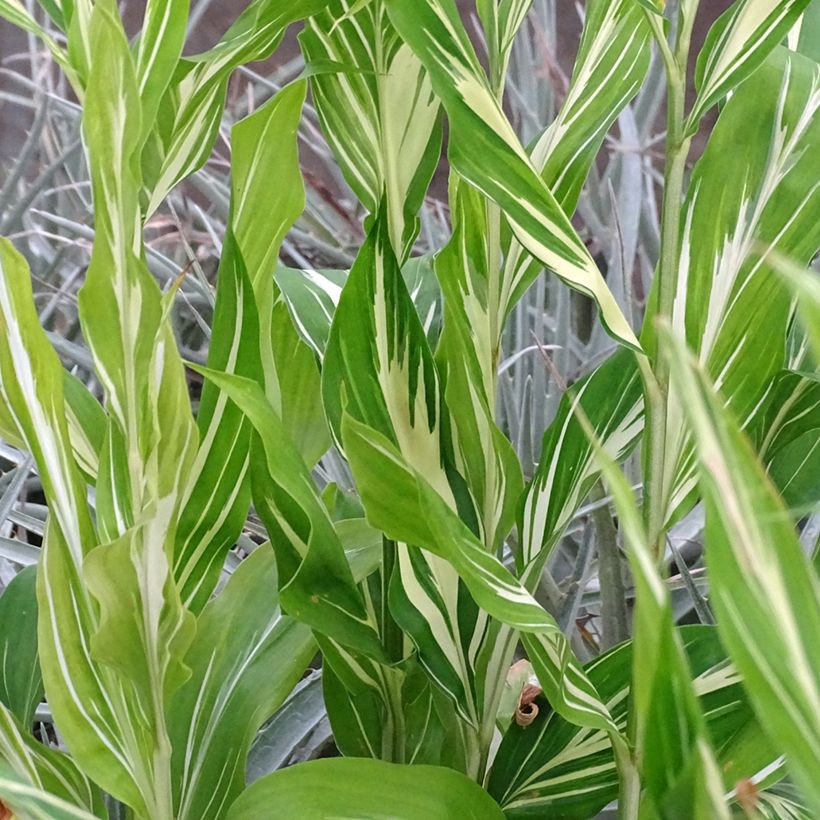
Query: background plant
[[416, 587]]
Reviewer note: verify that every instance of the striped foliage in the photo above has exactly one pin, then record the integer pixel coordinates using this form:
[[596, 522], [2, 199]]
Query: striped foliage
[[379, 370], [485, 151], [737, 44], [400, 501], [611, 65], [377, 110], [501, 22], [238, 679], [43, 768], [764, 591], [730, 300], [676, 760], [216, 495], [788, 438], [190, 112], [553, 767], [31, 385], [34, 802], [317, 584], [612, 402]]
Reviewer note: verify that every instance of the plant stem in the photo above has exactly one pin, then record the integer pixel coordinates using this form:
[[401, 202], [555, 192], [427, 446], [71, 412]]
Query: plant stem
[[678, 143], [610, 575]]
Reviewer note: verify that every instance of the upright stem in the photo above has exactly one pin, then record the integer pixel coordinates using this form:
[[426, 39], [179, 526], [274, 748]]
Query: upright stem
[[678, 143], [656, 373]]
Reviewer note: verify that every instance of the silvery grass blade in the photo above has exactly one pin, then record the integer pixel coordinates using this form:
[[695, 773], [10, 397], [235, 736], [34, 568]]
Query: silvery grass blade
[[298, 728], [41, 767], [485, 151], [729, 300], [379, 369], [36, 803], [83, 697], [245, 659], [351, 788], [21, 683], [674, 754], [377, 110], [191, 109], [781, 802], [553, 767], [317, 585], [763, 590], [788, 439], [611, 399], [16, 13], [739, 42]]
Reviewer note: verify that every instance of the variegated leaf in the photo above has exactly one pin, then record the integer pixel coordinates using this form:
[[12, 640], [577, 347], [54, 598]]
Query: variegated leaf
[[245, 659], [379, 369], [191, 110], [675, 758], [317, 586], [33, 803], [44, 768], [611, 399], [554, 768], [77, 689], [611, 65], [730, 305], [485, 151], [377, 111], [737, 44], [400, 501], [501, 20], [765, 593]]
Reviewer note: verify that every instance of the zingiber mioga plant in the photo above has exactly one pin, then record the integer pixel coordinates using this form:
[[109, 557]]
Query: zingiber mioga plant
[[419, 585]]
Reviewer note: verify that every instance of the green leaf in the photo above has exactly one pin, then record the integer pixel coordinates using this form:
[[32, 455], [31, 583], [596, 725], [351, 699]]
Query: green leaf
[[400, 501], [485, 151], [611, 399], [317, 586], [34, 803], [763, 590], [42, 767], [805, 284], [352, 788], [746, 201], [553, 768], [739, 42], [675, 759], [378, 112], [789, 439], [21, 684], [217, 494], [191, 110], [31, 384], [158, 51], [379, 369], [245, 659]]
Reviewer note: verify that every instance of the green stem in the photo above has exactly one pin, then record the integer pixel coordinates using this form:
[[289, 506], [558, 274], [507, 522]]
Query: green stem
[[678, 143], [610, 575]]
